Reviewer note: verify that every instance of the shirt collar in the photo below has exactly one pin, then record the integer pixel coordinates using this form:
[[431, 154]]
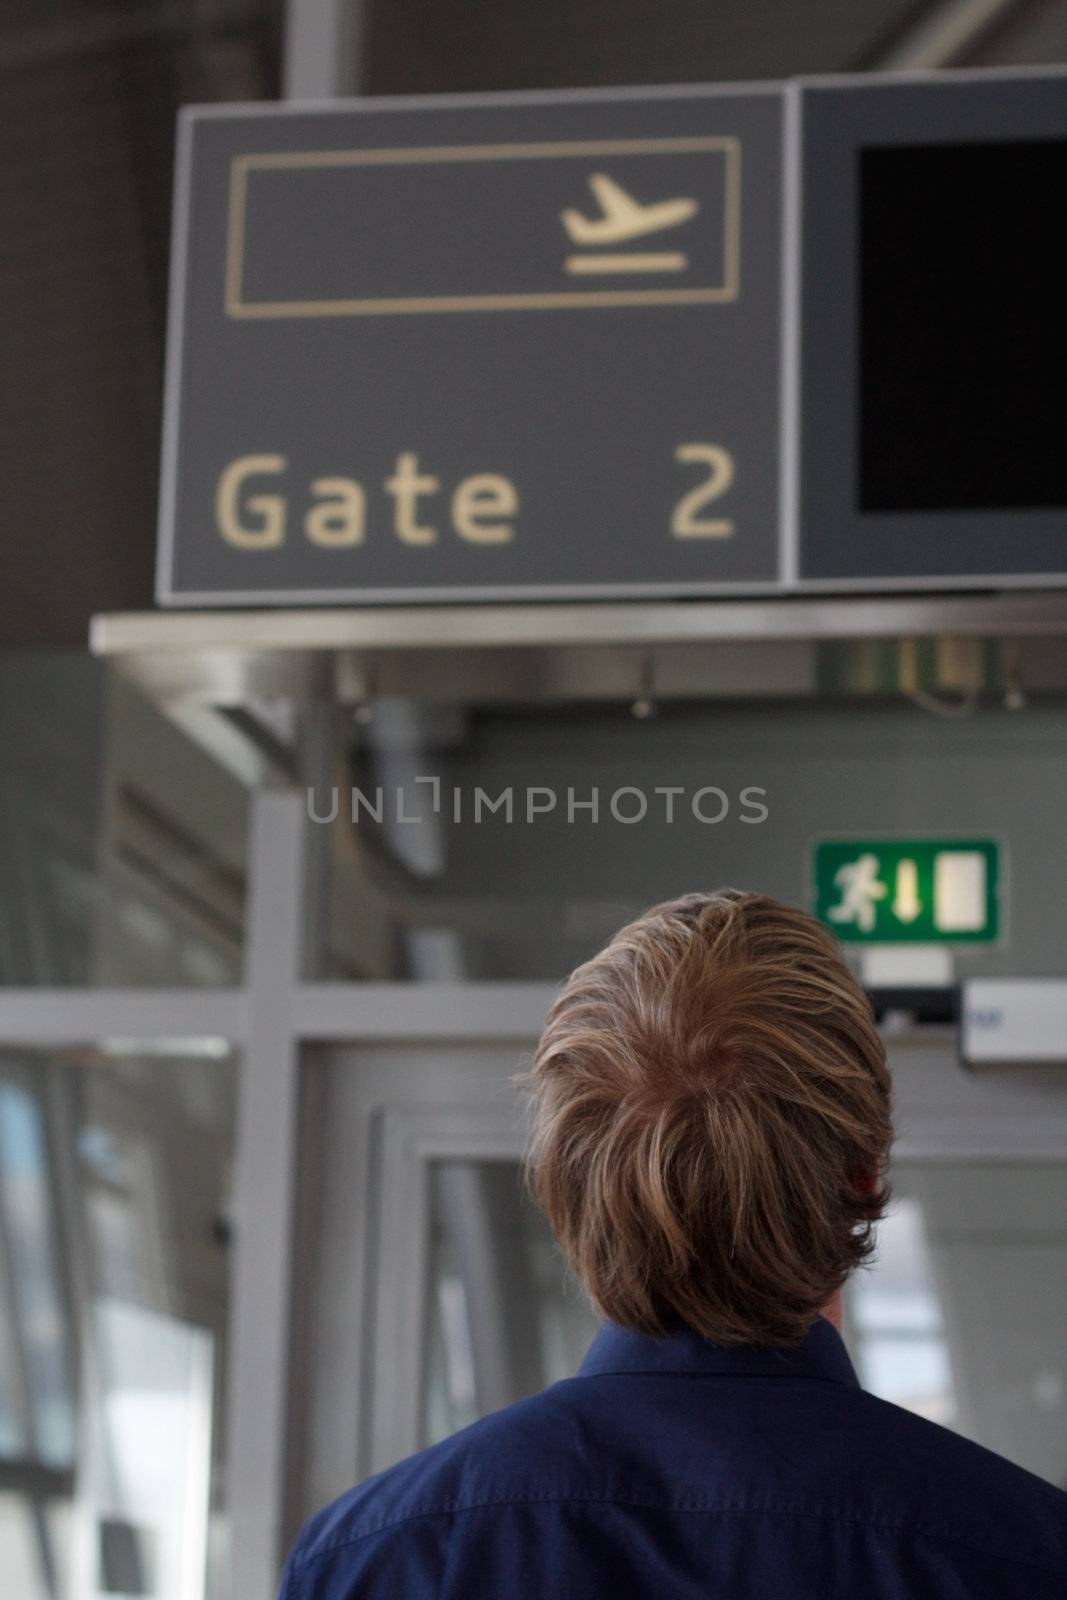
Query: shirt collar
[[820, 1354]]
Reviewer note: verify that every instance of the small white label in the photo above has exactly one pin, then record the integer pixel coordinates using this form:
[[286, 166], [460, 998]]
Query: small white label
[[1014, 1019], [906, 966]]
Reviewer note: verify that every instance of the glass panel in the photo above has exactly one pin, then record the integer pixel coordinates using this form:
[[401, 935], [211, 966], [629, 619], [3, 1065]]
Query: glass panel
[[962, 1315], [40, 1336], [122, 851], [960, 1318], [467, 843], [504, 1317], [20, 1563], [895, 1315], [114, 1245]]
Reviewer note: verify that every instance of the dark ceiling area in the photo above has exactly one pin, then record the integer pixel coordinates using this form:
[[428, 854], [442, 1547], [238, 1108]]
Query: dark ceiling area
[[88, 95], [422, 47]]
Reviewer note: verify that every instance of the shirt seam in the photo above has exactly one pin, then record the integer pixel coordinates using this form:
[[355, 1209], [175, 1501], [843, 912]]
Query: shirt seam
[[446, 1509]]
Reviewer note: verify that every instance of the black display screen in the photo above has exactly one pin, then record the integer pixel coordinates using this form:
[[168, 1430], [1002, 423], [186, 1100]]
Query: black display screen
[[963, 327]]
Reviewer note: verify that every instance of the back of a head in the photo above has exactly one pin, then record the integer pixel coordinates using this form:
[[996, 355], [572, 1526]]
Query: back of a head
[[711, 1121]]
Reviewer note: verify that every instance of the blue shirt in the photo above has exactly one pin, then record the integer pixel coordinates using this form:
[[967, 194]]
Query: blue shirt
[[675, 1469]]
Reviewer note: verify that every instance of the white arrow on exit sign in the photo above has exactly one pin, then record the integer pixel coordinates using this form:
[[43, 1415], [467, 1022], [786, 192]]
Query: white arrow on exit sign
[[907, 905]]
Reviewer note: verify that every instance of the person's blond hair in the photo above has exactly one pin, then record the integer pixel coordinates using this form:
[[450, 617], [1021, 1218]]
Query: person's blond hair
[[710, 1121]]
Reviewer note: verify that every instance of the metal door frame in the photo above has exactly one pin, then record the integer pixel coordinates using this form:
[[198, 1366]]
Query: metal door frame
[[410, 1140], [947, 1116]]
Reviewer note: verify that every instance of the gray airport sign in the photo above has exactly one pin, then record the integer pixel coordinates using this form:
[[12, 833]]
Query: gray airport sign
[[504, 347]]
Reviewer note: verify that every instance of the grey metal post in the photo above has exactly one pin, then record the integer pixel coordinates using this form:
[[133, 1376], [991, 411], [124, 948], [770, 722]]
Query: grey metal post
[[316, 755], [264, 1189], [322, 46]]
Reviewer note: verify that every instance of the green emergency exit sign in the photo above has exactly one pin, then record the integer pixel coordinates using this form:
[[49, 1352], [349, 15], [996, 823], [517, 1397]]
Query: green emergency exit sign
[[908, 891]]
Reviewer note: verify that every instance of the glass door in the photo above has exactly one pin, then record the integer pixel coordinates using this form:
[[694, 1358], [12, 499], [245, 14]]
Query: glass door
[[467, 1305]]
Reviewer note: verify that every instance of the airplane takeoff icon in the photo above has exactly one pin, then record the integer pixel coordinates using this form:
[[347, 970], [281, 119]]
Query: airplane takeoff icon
[[623, 218]]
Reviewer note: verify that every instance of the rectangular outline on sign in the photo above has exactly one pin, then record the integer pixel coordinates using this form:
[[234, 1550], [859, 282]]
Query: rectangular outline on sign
[[241, 165]]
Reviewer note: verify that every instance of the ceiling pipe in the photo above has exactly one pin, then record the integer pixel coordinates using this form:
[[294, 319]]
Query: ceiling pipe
[[945, 35]]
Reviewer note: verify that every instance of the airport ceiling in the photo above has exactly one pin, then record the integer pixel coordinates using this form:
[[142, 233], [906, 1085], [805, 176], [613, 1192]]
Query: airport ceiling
[[419, 46], [88, 90]]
